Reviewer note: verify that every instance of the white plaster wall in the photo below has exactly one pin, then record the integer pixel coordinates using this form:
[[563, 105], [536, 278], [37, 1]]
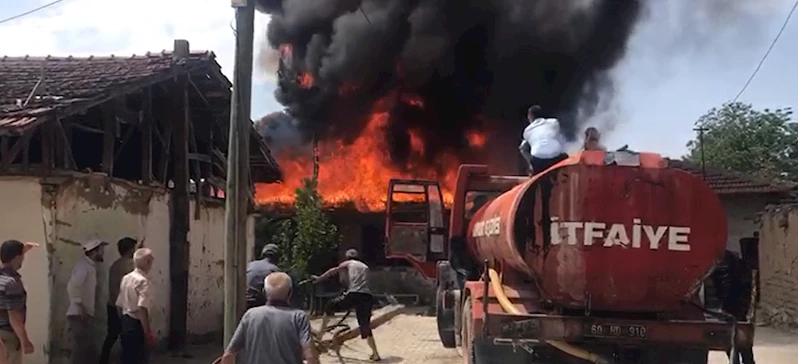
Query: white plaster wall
[[741, 214], [23, 218], [206, 268], [96, 208]]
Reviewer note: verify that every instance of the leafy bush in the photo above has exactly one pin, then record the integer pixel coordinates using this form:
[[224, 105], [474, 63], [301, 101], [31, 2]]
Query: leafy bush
[[308, 240]]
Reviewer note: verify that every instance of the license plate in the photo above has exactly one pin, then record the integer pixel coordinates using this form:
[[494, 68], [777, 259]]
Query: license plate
[[616, 331]]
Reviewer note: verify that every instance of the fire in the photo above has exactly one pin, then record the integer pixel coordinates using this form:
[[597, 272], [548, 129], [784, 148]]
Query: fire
[[358, 173], [305, 80], [412, 100], [476, 139]]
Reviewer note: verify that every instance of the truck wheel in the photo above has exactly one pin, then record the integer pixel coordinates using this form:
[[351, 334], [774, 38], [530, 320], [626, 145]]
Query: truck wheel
[[467, 334], [446, 329]]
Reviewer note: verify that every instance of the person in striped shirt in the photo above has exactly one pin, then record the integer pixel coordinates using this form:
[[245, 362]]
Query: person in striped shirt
[[13, 302]]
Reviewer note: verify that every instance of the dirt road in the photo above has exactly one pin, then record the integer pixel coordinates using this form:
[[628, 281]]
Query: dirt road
[[412, 339]]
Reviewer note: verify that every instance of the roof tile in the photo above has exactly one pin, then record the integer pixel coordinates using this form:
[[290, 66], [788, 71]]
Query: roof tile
[[66, 80], [728, 182]]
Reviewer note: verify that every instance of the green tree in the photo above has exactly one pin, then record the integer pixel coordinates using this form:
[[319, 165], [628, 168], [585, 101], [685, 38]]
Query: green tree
[[739, 138], [315, 238]]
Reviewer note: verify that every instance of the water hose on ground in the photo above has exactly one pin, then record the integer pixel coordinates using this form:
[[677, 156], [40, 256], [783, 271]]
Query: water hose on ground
[[508, 307]]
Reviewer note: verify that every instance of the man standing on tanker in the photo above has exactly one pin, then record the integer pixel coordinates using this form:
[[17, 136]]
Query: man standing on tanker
[[358, 296], [543, 145]]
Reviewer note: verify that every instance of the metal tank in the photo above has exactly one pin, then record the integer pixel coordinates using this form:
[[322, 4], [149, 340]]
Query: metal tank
[[621, 237]]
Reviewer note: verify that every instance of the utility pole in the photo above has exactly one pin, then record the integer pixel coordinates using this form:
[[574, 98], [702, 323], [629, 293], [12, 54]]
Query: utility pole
[[315, 159], [701, 129], [237, 187]]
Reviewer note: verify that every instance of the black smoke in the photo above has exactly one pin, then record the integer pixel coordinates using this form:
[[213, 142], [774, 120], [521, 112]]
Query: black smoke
[[476, 64], [280, 131]]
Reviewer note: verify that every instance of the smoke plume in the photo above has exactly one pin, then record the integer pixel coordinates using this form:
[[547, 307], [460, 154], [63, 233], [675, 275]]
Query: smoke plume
[[446, 66], [279, 130]]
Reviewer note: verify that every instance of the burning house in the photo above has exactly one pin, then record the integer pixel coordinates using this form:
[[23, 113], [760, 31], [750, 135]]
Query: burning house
[[413, 89], [108, 147]]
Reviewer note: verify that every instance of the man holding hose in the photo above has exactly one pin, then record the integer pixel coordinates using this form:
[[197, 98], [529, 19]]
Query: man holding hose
[[358, 297]]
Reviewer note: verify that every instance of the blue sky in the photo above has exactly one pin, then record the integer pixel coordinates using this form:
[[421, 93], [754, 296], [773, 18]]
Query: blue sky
[[674, 70]]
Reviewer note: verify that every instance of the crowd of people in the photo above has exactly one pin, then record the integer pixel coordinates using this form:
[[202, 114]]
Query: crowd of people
[[130, 301], [270, 331]]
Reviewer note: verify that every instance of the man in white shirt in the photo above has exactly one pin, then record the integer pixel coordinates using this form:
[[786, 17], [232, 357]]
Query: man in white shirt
[[82, 296], [543, 145], [136, 302]]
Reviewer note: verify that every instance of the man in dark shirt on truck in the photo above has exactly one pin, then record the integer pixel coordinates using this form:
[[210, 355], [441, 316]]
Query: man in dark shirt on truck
[[257, 271]]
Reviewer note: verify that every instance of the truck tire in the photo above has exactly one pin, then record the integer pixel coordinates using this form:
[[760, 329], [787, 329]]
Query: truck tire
[[445, 320], [467, 334]]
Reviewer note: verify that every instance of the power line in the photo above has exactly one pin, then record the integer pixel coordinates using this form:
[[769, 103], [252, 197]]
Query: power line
[[762, 61], [30, 11]]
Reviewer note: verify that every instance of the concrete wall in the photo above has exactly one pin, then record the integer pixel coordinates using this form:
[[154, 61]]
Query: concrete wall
[[61, 214], [778, 257]]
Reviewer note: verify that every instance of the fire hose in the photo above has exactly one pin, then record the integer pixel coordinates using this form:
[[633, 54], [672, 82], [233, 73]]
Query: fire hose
[[567, 348]]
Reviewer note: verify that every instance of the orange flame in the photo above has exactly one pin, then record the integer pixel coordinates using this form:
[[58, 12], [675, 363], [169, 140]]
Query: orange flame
[[412, 100], [305, 80], [358, 173], [476, 139]]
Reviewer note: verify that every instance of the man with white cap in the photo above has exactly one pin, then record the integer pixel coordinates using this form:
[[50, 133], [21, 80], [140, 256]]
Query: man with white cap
[[82, 296]]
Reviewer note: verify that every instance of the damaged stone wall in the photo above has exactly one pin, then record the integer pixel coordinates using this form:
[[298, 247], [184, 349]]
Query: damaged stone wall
[[778, 261], [95, 207]]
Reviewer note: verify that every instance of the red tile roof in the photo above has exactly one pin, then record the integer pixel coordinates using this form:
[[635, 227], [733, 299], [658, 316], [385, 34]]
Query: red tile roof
[[728, 182], [70, 84]]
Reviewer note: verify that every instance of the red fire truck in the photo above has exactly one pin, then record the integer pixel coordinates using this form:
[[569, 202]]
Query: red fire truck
[[599, 259]]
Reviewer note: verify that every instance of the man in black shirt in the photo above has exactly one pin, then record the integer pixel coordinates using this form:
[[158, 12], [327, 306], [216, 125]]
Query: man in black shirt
[[733, 284]]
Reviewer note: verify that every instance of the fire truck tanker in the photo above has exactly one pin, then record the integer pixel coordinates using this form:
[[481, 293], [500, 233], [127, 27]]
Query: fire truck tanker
[[600, 259]]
